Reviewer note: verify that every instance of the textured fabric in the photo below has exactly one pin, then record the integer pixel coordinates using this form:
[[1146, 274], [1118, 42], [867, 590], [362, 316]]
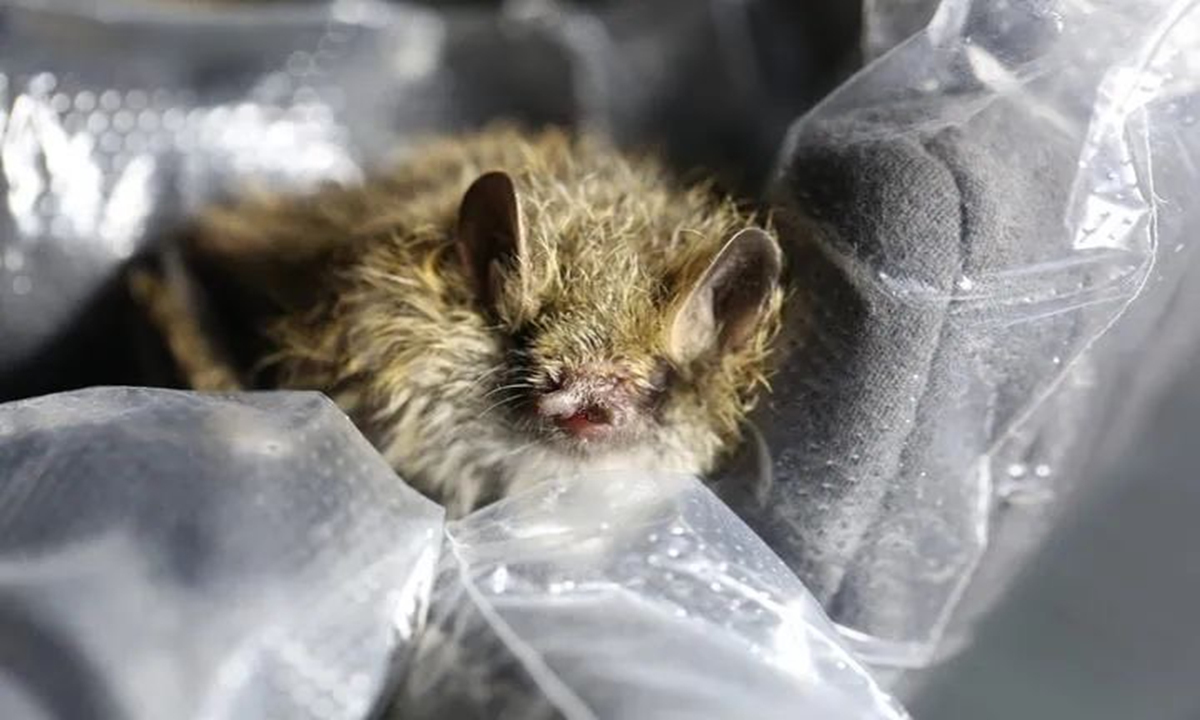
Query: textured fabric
[[919, 346]]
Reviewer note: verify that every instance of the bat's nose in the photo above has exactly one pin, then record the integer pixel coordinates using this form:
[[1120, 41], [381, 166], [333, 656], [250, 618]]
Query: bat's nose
[[589, 422], [586, 418]]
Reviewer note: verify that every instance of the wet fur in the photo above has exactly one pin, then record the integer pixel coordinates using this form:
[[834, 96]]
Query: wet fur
[[367, 300]]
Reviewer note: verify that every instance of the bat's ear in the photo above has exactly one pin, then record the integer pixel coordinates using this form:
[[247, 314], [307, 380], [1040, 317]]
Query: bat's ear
[[722, 308], [489, 232]]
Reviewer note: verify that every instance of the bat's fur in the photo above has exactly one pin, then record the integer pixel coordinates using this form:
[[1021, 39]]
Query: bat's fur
[[372, 305]]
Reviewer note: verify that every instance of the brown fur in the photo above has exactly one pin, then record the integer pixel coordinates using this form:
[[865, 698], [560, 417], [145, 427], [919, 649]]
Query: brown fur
[[369, 302]]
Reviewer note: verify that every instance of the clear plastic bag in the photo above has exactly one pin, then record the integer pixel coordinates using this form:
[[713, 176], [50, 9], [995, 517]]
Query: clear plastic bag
[[942, 384], [171, 555], [625, 596], [971, 218], [167, 554]]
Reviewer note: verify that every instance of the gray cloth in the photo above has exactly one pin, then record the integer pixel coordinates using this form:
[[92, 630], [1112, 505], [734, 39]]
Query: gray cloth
[[918, 348], [968, 222]]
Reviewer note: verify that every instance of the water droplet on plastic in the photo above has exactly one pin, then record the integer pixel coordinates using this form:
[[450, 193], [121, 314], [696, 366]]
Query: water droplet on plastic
[[22, 285], [557, 588], [110, 100], [97, 122], [1017, 470], [1042, 470], [85, 101], [499, 580], [123, 121], [43, 83], [136, 99], [13, 259], [110, 142]]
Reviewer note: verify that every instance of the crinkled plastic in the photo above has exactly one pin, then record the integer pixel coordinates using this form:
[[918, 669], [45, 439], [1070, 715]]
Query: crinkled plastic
[[887, 23], [986, 201], [119, 119], [1064, 133], [170, 555], [625, 596]]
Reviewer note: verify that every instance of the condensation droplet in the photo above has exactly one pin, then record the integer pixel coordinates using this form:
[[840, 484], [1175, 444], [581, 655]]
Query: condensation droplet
[[22, 285], [148, 120], [123, 121], [97, 122], [110, 142], [1042, 470], [110, 100], [1017, 470], [299, 63], [561, 587], [136, 99], [13, 259], [499, 579], [43, 84], [174, 119]]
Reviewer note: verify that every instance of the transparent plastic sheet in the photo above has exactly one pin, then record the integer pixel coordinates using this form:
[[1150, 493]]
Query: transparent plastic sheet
[[625, 596], [118, 118], [171, 555], [887, 23], [969, 215], [168, 554]]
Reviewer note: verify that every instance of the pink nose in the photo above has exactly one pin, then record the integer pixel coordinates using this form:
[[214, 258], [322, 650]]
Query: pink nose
[[579, 417], [590, 421]]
